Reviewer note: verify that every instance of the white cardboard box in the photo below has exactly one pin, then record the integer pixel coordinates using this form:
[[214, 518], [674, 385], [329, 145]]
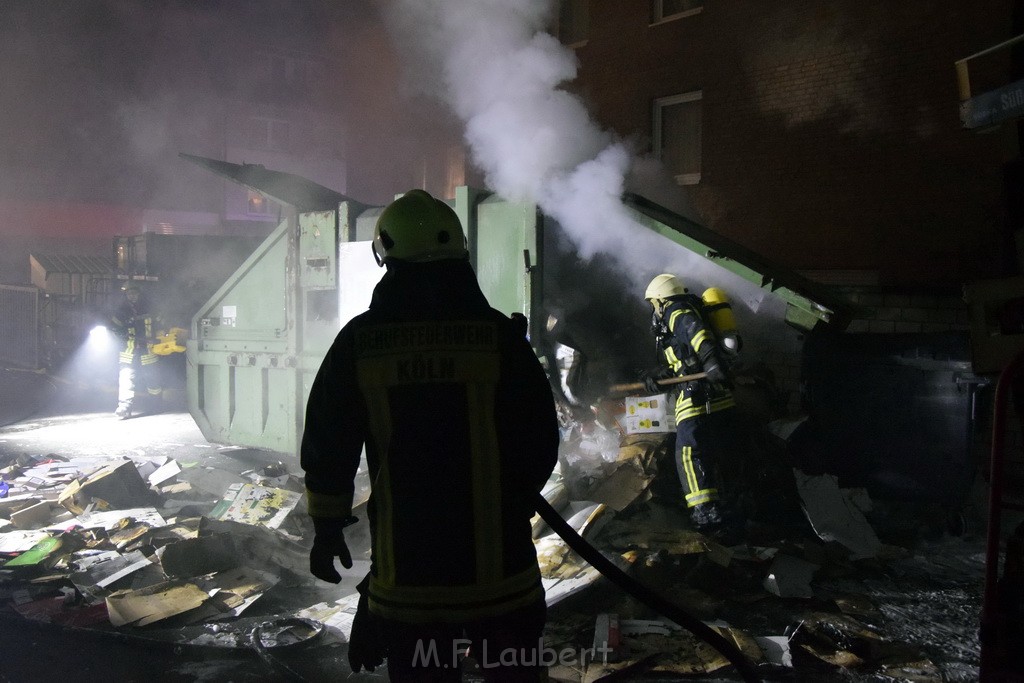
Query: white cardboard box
[[649, 414]]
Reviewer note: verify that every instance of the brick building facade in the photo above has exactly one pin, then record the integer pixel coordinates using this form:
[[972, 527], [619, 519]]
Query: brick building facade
[[830, 132]]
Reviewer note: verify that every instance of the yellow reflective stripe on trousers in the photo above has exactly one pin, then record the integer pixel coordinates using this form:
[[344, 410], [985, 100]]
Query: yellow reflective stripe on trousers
[[685, 407], [380, 424], [700, 497], [486, 481], [686, 458]]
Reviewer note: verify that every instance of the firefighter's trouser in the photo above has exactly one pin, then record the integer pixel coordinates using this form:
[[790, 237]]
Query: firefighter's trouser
[[507, 648], [130, 376], [702, 442]]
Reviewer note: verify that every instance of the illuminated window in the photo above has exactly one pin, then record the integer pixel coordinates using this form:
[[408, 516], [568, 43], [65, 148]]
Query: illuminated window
[[573, 21], [663, 10], [677, 135], [258, 205]]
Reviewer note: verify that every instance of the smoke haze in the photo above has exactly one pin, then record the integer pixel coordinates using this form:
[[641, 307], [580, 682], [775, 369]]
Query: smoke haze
[[496, 66]]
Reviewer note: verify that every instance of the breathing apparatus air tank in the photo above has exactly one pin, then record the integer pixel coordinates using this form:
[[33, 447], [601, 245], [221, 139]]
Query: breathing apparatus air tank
[[718, 309]]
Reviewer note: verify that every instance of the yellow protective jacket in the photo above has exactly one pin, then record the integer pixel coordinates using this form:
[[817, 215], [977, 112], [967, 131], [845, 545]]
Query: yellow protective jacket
[[689, 346], [137, 328], [460, 431]]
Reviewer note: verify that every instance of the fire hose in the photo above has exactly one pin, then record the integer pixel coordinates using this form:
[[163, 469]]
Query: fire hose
[[643, 593]]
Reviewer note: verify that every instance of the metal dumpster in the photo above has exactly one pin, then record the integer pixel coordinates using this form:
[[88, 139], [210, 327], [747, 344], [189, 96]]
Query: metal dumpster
[[893, 413], [258, 341]]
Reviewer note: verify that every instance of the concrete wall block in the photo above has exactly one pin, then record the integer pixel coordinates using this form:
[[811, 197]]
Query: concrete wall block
[[924, 301], [916, 315], [943, 315], [904, 326], [867, 299], [882, 326], [937, 327], [897, 300]]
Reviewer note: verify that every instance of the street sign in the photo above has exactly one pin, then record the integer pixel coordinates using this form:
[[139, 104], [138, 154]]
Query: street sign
[[993, 107]]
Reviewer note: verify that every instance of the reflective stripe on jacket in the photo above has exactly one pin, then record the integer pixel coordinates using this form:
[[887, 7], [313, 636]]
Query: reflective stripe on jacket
[[689, 343], [136, 329]]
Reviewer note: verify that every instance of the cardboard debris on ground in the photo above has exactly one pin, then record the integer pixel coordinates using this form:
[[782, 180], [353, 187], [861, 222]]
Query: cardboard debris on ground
[[164, 474], [257, 505], [12, 504], [838, 639], [858, 606], [128, 532], [115, 486], [13, 542], [231, 592], [176, 488], [33, 516], [55, 610], [653, 414], [635, 469], [111, 520], [336, 616], [835, 516], [626, 536], [102, 569], [671, 651], [37, 555], [154, 603], [776, 650], [261, 546], [198, 556], [790, 577]]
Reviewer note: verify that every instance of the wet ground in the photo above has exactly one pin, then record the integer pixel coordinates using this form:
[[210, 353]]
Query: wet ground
[[915, 607]]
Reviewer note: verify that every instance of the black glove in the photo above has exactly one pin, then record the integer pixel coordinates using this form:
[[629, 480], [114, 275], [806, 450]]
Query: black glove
[[650, 379], [365, 648], [329, 543], [716, 375]]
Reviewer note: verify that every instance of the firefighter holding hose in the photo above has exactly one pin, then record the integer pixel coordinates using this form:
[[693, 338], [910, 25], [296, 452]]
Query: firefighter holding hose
[[705, 408], [460, 432]]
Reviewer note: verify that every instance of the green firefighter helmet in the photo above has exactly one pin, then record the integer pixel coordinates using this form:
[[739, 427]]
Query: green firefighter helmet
[[664, 287], [416, 227]]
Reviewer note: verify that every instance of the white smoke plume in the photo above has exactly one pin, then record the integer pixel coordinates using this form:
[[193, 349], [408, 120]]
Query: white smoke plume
[[495, 65], [501, 73]]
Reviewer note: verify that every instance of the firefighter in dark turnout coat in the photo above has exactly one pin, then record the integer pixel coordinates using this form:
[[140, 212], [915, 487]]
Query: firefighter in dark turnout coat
[[460, 431], [136, 325], [705, 408]]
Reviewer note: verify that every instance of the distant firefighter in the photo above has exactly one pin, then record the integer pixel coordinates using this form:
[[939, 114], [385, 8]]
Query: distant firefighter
[[137, 326]]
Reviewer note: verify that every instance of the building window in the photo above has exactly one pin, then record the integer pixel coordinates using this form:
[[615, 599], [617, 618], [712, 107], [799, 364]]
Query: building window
[[665, 10], [257, 205], [677, 135], [573, 21], [298, 70], [269, 134]]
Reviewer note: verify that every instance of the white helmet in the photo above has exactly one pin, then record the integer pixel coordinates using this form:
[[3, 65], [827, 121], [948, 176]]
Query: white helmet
[[664, 286]]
